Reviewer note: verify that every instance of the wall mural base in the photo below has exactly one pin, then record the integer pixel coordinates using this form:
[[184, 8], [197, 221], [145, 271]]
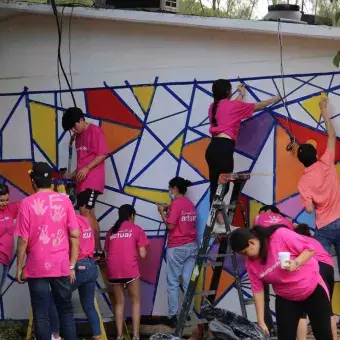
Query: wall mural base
[[154, 132]]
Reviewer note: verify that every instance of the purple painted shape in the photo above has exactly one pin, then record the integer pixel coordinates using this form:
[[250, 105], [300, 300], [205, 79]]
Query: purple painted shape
[[15, 194], [291, 207], [147, 293], [252, 134]]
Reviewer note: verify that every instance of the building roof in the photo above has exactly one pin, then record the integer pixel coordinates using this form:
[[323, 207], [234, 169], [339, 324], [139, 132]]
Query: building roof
[[9, 8]]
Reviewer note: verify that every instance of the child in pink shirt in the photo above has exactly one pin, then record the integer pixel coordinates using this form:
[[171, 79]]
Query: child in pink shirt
[[8, 213], [91, 150], [125, 243], [180, 220], [269, 219], [298, 286], [225, 116]]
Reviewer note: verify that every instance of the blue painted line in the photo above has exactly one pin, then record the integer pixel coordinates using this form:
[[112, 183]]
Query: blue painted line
[[176, 97], [45, 155], [116, 172], [106, 213], [30, 127], [169, 116], [12, 112]]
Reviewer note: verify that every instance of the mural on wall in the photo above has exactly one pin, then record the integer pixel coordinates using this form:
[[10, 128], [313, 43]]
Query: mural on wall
[[155, 132]]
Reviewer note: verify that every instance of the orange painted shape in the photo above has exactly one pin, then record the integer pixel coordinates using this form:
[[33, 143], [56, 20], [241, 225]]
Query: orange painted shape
[[117, 135], [288, 168], [17, 173], [225, 282], [194, 154]]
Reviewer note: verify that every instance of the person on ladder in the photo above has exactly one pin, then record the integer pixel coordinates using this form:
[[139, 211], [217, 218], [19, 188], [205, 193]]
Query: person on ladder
[[181, 253], [83, 277], [225, 116], [281, 257], [48, 232], [89, 175]]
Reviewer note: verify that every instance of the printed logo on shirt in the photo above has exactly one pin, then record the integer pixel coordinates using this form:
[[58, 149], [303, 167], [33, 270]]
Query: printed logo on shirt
[[122, 234], [270, 269], [44, 237], [57, 211], [188, 216], [273, 220], [87, 234], [82, 148], [6, 218]]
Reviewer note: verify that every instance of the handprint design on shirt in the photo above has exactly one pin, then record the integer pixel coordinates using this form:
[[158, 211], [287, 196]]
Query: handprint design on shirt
[[274, 220], [43, 237], [59, 238], [57, 211], [39, 207]]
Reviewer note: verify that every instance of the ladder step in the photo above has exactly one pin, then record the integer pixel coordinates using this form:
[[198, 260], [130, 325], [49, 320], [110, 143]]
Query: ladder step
[[213, 264], [249, 302], [206, 293]]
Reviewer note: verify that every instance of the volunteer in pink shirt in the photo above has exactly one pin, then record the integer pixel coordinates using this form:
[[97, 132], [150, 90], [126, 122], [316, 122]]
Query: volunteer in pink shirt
[[225, 117], [326, 269], [46, 227], [180, 220], [298, 286], [319, 187], [125, 243], [8, 213], [85, 281], [268, 219], [91, 150]]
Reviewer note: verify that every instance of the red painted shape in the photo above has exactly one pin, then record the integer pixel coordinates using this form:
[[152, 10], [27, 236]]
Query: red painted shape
[[104, 104], [303, 134], [238, 218], [150, 266]]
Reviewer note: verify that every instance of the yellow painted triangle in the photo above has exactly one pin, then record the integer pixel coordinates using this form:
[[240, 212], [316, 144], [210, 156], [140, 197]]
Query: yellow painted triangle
[[155, 196], [312, 106], [337, 168], [43, 120], [176, 147], [144, 95], [254, 207]]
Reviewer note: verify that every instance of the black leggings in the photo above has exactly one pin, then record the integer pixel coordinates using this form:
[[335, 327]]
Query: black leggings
[[220, 159], [268, 318], [317, 306]]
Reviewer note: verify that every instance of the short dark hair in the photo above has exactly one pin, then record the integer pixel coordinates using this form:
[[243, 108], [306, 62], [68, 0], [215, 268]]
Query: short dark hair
[[180, 183], [307, 154], [71, 116], [41, 173], [303, 229], [274, 209], [4, 190]]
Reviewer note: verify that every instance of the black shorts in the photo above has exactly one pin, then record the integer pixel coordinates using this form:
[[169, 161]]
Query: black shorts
[[124, 282], [327, 273], [87, 198]]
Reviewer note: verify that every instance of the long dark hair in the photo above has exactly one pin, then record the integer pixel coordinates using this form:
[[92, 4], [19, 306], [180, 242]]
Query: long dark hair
[[180, 183], [303, 229], [273, 209], [239, 239], [125, 212], [4, 189], [221, 89]]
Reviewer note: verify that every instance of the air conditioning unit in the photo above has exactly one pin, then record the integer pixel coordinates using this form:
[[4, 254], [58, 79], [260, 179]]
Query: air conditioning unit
[[150, 5]]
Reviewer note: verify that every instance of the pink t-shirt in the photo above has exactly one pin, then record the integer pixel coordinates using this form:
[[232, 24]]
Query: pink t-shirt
[[319, 186], [86, 240], [269, 219], [229, 115], [321, 254], [182, 214], [90, 144], [297, 285], [7, 217], [122, 251], [45, 219]]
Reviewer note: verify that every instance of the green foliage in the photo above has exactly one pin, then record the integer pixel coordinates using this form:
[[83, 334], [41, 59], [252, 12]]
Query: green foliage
[[12, 330], [336, 60]]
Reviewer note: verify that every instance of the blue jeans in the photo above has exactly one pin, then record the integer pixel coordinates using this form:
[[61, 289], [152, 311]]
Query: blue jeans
[[3, 275], [86, 277], [180, 261], [40, 300], [330, 235]]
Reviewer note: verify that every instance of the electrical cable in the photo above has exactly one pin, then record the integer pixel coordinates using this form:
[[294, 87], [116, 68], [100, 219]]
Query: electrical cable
[[55, 11], [58, 64], [290, 146], [69, 46]]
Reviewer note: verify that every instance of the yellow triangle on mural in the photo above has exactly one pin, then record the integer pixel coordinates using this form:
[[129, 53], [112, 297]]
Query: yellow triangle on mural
[[312, 106], [254, 207], [155, 196], [43, 120], [176, 147], [144, 96]]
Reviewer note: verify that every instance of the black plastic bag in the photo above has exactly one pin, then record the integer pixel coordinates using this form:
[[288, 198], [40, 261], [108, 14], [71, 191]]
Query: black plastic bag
[[226, 325]]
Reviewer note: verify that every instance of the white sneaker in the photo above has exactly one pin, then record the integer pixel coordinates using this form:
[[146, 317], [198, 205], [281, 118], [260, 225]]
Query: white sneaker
[[53, 338]]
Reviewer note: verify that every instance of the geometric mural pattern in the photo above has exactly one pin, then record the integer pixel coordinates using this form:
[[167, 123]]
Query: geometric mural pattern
[[159, 130]]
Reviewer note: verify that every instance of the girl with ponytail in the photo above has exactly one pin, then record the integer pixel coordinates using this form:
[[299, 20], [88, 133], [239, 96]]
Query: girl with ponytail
[[180, 220], [297, 283], [125, 243], [225, 117]]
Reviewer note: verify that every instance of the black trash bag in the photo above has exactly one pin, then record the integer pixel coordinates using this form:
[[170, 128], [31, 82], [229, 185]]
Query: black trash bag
[[161, 336], [226, 325]]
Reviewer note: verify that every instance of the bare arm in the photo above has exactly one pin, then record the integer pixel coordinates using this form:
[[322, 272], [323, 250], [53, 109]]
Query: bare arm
[[329, 126], [259, 306], [74, 243], [98, 160], [309, 209], [262, 105], [142, 252], [21, 251], [168, 225]]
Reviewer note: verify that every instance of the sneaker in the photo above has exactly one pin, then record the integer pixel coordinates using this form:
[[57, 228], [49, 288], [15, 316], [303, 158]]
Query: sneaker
[[120, 338], [135, 338], [53, 338]]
